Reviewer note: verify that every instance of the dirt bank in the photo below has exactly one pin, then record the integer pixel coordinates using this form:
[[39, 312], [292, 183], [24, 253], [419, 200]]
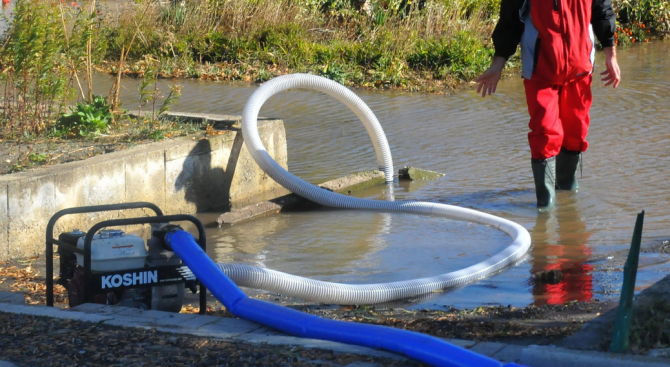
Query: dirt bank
[[42, 341]]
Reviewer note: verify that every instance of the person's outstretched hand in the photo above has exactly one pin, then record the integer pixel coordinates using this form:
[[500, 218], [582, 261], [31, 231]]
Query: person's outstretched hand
[[488, 81], [611, 76]]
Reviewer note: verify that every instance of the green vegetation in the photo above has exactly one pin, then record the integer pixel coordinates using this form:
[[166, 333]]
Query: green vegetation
[[51, 49], [641, 20], [86, 118], [47, 60], [419, 45]]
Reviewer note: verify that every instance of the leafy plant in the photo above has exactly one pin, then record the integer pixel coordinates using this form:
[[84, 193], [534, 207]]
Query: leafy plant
[[172, 98], [38, 157], [17, 167], [86, 118], [263, 75], [34, 67], [334, 72], [148, 88]]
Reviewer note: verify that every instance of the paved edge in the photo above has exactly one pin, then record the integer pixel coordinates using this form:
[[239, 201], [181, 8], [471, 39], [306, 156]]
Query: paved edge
[[238, 330], [558, 357]]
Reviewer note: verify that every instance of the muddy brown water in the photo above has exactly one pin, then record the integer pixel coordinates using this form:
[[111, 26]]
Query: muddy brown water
[[481, 146]]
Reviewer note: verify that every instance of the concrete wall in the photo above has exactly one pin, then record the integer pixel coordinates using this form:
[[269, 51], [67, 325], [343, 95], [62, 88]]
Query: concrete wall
[[180, 176]]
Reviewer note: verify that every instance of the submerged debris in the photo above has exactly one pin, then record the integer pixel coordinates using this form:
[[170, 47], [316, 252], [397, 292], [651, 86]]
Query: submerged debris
[[549, 276], [413, 173]]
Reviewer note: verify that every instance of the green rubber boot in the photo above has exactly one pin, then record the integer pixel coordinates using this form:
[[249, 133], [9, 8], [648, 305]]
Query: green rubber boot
[[544, 173], [566, 169]]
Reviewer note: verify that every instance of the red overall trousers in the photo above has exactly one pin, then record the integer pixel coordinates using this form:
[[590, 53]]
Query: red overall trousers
[[559, 116], [559, 90]]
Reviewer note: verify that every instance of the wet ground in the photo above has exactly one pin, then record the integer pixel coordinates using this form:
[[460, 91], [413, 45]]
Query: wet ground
[[481, 146]]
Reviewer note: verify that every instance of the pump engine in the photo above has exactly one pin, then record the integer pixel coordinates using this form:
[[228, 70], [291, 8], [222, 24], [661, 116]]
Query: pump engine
[[122, 270]]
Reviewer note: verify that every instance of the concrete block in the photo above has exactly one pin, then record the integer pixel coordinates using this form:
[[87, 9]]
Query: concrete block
[[198, 321], [100, 182], [31, 202], [461, 342], [541, 356], [195, 183], [172, 319], [269, 339], [145, 178], [247, 173], [86, 307], [12, 298], [147, 314], [510, 353], [130, 321], [234, 326], [267, 332], [53, 312], [184, 148], [413, 173], [217, 333], [107, 310], [488, 348]]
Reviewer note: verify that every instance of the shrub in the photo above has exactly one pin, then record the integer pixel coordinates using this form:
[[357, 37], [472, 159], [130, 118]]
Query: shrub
[[86, 118], [645, 16]]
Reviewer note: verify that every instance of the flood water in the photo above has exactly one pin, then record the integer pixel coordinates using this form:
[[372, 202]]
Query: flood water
[[481, 146]]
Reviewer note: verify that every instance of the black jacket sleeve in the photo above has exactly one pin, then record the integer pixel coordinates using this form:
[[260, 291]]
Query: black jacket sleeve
[[507, 34], [603, 20]]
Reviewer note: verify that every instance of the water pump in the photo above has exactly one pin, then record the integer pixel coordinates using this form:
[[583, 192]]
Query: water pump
[[105, 265]]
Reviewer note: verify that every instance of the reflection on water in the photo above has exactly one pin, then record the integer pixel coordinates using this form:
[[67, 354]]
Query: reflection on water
[[481, 145], [564, 238], [351, 246]]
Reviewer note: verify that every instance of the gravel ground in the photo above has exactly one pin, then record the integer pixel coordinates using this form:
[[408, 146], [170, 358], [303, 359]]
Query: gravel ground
[[41, 341], [525, 326]]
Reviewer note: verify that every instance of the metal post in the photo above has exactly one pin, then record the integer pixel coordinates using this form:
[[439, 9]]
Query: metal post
[[624, 315]]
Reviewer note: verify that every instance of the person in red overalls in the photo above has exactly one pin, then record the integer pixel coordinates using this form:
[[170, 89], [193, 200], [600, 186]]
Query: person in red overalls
[[558, 54]]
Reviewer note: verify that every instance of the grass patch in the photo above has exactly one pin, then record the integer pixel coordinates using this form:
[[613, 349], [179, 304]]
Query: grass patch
[[651, 327]]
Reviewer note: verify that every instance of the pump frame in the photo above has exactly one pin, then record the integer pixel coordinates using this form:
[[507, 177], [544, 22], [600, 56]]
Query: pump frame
[[89, 276]]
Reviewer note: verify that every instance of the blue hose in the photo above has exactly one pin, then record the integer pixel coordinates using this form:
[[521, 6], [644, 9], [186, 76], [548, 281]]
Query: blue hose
[[421, 347]]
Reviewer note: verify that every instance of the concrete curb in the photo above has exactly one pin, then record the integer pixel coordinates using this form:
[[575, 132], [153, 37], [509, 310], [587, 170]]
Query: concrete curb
[[546, 356], [237, 330]]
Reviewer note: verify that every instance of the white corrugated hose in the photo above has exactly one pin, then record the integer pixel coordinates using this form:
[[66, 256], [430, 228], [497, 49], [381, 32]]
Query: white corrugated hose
[[338, 293]]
